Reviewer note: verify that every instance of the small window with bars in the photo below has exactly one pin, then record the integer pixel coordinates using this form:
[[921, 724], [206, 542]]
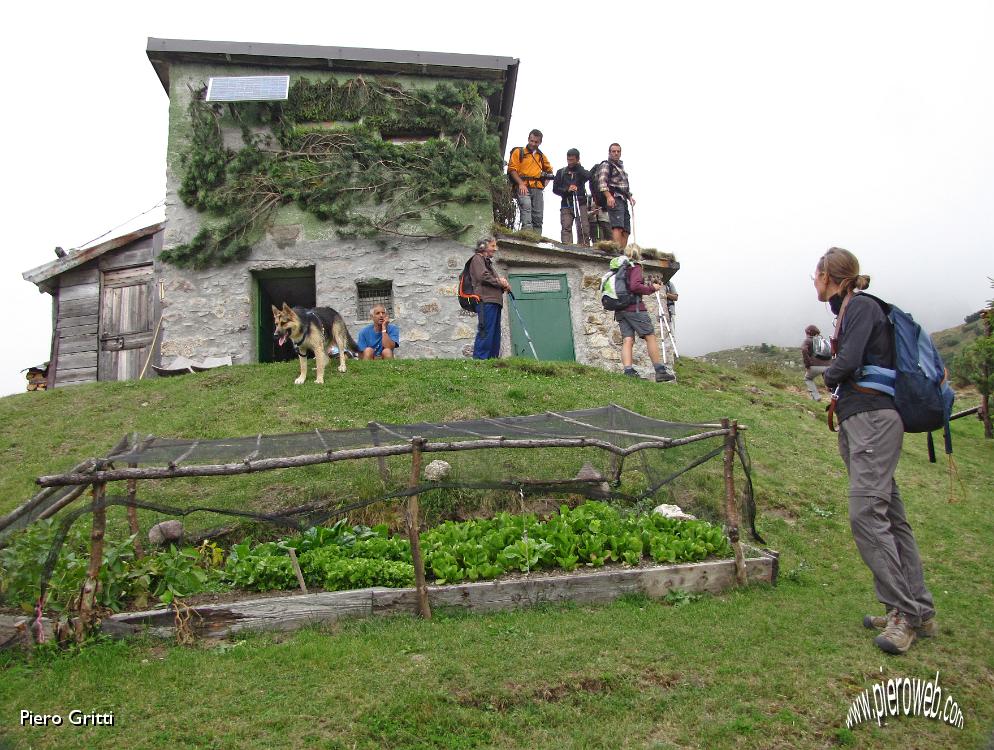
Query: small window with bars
[[369, 294]]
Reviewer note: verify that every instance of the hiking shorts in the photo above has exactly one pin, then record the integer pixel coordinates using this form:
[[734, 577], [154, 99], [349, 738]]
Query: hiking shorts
[[634, 324], [620, 218]]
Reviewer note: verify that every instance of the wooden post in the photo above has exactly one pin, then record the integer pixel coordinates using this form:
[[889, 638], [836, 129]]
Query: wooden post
[[133, 515], [731, 507], [412, 518], [616, 461], [88, 595], [374, 430], [296, 568]]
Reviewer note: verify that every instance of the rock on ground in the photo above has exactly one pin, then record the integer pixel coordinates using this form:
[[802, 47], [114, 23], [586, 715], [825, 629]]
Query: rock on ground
[[166, 532]]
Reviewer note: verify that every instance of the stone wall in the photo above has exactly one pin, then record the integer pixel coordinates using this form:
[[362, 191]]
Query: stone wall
[[596, 336], [210, 312]]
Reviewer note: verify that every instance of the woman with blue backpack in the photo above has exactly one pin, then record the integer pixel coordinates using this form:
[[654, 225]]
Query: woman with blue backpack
[[870, 436]]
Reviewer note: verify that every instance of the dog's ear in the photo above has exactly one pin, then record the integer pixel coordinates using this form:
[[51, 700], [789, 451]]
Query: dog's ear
[[286, 309], [276, 311]]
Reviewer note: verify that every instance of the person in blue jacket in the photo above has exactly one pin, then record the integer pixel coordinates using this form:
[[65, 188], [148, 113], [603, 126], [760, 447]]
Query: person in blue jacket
[[379, 339]]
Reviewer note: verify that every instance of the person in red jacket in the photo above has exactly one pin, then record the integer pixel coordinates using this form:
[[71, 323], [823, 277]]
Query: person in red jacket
[[813, 366], [634, 320]]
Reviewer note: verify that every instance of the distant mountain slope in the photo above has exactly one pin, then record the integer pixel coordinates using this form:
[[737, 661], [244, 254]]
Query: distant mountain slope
[[950, 342], [765, 355]]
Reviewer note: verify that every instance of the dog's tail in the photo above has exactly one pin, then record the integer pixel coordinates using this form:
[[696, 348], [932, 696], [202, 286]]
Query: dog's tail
[[340, 335]]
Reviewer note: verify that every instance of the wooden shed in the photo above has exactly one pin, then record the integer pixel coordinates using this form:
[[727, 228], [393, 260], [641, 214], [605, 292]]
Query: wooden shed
[[104, 308]]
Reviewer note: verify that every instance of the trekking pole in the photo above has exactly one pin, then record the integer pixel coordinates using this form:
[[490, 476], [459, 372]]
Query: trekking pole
[[521, 320], [665, 330], [576, 219]]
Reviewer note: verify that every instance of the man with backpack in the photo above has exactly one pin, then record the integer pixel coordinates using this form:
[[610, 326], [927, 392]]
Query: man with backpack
[[613, 193], [570, 184], [490, 287], [633, 318], [528, 169], [816, 351]]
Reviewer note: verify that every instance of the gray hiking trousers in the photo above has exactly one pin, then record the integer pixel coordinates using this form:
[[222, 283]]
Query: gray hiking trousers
[[870, 444], [810, 373], [532, 209]]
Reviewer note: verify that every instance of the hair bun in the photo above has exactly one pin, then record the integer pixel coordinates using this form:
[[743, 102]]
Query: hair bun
[[861, 282]]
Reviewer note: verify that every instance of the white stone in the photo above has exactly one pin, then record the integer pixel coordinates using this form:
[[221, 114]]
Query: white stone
[[673, 511], [436, 471]]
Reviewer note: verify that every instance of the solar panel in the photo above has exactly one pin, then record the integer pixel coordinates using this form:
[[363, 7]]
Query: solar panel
[[248, 88]]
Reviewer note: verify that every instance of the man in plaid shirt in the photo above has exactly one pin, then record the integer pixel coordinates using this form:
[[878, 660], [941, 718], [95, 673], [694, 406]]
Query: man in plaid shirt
[[611, 180]]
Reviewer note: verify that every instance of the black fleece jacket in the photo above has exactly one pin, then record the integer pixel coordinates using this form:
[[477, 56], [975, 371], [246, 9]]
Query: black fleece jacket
[[864, 339]]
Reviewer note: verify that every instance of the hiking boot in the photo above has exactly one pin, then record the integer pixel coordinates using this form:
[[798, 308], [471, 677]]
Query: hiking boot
[[630, 372], [928, 629], [898, 635], [663, 375]]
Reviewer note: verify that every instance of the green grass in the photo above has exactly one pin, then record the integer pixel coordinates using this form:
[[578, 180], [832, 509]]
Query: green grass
[[760, 668]]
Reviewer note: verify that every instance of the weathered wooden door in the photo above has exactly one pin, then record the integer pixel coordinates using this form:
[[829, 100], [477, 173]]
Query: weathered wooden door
[[125, 322]]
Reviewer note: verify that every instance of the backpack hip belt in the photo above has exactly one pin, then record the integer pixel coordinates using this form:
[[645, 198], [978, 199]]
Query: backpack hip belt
[[873, 378]]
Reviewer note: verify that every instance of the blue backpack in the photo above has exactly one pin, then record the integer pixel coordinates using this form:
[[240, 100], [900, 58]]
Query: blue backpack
[[918, 381]]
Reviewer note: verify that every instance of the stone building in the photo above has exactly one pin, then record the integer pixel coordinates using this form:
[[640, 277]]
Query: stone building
[[311, 251]]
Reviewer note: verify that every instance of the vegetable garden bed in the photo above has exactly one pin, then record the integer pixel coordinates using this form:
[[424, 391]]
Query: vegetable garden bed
[[582, 587], [591, 553], [297, 610], [451, 554]]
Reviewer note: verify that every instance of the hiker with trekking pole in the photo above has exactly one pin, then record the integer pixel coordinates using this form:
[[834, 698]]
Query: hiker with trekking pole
[[490, 287], [570, 184], [622, 289]]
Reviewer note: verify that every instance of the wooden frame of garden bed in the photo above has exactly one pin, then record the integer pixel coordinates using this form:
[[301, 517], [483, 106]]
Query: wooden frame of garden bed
[[582, 587], [293, 611], [98, 473]]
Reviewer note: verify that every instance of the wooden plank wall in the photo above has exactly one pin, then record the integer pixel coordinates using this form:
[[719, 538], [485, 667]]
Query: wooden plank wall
[[76, 343]]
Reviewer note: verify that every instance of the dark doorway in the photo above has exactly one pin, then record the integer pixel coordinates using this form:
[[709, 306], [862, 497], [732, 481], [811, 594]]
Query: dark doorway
[[295, 287]]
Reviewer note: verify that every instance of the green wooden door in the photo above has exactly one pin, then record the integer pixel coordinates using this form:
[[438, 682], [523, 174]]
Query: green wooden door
[[543, 301]]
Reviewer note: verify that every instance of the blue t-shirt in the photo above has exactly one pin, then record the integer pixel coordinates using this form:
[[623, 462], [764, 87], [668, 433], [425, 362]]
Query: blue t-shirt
[[368, 337]]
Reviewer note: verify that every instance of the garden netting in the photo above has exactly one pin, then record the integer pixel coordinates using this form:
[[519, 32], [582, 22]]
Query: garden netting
[[607, 453], [500, 454]]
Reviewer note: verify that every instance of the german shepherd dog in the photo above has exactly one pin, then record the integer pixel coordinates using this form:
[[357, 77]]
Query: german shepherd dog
[[313, 330]]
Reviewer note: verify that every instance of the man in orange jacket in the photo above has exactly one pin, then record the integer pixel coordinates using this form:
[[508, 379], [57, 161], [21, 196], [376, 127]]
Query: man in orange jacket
[[529, 169]]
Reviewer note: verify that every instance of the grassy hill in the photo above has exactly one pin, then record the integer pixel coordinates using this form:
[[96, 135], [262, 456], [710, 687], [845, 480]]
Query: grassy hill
[[952, 341], [761, 358], [766, 667]]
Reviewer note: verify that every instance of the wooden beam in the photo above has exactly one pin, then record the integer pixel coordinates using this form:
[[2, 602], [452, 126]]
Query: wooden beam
[[586, 587]]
